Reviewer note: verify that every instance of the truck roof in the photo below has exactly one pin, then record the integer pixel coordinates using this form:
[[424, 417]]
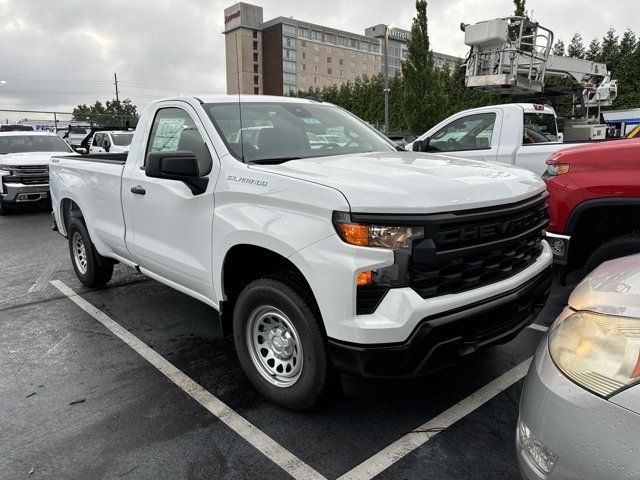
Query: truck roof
[[527, 107], [243, 98], [26, 133]]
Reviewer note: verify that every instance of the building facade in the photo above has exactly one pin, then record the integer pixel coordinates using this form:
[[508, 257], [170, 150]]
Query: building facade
[[286, 55]]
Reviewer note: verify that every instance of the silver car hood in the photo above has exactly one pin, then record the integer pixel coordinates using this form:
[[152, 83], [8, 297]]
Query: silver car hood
[[612, 288]]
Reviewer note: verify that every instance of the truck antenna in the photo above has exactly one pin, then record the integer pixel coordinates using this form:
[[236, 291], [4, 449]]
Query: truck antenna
[[239, 101]]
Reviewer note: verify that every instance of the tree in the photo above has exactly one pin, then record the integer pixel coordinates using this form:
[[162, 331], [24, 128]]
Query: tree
[[558, 48], [593, 53], [423, 90], [114, 112], [627, 44], [519, 8], [576, 47], [610, 47]]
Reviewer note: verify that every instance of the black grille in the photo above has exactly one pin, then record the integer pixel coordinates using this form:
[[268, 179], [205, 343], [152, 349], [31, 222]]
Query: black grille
[[27, 175], [470, 249]]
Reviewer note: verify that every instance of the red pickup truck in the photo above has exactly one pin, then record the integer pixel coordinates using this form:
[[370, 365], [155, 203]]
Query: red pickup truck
[[594, 203]]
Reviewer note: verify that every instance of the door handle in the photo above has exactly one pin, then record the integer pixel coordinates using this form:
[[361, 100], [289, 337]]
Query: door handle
[[138, 190]]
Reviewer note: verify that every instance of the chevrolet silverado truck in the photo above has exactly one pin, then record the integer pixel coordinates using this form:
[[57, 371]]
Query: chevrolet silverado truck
[[520, 134], [594, 203], [24, 158], [348, 256]]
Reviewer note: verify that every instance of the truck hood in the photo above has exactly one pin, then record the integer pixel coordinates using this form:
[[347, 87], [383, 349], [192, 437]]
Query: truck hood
[[28, 158], [612, 288], [413, 182]]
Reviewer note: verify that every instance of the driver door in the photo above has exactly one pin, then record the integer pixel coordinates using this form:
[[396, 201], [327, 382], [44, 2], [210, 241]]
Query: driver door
[[475, 136], [169, 228]]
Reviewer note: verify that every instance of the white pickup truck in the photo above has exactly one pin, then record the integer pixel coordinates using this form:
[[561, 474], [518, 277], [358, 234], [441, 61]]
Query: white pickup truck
[[24, 156], [349, 256], [110, 141], [520, 134]]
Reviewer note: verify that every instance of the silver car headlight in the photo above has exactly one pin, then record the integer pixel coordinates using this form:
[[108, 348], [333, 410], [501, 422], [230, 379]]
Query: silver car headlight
[[598, 352]]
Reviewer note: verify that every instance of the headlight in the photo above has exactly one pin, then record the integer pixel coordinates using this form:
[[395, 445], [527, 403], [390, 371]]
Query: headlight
[[374, 235], [555, 169], [599, 352], [396, 238]]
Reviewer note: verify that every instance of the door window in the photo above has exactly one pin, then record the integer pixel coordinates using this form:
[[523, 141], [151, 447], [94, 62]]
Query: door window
[[97, 140], [539, 128], [473, 132], [173, 129]]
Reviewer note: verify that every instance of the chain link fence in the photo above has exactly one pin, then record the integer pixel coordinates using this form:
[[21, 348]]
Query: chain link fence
[[60, 122]]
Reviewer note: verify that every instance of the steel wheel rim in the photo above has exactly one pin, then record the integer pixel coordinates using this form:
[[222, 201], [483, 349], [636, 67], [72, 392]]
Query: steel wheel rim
[[274, 346], [79, 252]]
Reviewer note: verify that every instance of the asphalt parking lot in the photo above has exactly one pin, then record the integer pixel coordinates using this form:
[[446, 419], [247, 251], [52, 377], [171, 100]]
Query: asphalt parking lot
[[79, 402]]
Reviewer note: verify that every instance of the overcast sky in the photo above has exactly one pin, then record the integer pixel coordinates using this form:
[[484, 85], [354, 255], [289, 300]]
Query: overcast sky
[[56, 54]]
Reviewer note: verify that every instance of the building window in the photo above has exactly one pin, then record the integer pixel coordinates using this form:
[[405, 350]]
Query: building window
[[289, 66], [342, 73], [288, 89], [289, 42], [353, 64], [256, 80], [288, 54], [364, 66], [315, 80], [303, 32], [329, 50], [303, 55], [316, 58], [342, 51], [303, 43], [316, 69], [316, 47], [316, 35], [288, 29], [255, 34], [303, 79], [255, 45], [341, 61], [329, 71], [289, 77], [255, 57], [255, 68], [256, 90], [329, 38], [365, 46], [353, 43], [329, 60], [303, 67], [342, 41]]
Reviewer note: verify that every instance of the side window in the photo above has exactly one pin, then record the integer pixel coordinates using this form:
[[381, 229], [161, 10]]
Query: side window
[[97, 139], [473, 132], [173, 129]]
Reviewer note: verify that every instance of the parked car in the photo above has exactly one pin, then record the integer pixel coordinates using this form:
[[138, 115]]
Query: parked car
[[24, 156], [110, 141], [580, 406], [354, 256], [520, 134], [594, 203]]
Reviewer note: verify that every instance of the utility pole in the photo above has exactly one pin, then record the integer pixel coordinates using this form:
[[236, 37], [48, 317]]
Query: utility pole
[[387, 29], [115, 79]]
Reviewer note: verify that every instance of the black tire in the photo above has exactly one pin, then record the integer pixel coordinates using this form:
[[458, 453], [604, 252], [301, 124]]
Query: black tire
[[90, 272], [4, 208], [294, 304], [615, 248]]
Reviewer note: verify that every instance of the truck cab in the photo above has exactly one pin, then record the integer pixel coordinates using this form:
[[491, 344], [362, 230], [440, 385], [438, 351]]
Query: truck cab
[[520, 134], [110, 141]]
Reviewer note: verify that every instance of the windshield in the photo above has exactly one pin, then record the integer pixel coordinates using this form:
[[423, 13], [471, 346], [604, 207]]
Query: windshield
[[32, 143], [122, 139], [539, 128], [287, 130]]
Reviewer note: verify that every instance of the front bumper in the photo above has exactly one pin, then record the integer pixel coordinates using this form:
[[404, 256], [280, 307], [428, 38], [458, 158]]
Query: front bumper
[[447, 338], [21, 193], [592, 437]]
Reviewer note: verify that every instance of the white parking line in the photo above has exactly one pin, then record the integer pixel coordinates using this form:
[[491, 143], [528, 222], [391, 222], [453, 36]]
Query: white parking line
[[421, 435], [540, 328], [265, 444]]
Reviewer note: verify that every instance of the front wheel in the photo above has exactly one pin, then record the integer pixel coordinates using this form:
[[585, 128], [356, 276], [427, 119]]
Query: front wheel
[[614, 248], [280, 343], [85, 258]]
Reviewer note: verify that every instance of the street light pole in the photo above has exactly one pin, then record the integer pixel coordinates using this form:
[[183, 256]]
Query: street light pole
[[387, 29]]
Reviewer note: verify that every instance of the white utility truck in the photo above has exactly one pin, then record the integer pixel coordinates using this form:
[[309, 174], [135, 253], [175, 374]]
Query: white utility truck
[[24, 155], [110, 141], [352, 257]]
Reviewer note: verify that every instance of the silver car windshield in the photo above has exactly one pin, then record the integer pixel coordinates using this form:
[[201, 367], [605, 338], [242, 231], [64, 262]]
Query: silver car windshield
[[287, 130]]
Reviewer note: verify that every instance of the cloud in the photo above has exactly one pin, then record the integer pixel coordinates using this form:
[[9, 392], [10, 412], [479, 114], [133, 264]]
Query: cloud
[[55, 55]]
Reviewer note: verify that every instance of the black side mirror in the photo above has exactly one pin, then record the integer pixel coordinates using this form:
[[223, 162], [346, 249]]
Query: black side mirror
[[181, 165], [106, 144], [421, 145]]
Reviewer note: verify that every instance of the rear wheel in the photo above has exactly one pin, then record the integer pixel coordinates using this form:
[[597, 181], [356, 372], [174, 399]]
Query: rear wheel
[[84, 257], [615, 248], [280, 343]]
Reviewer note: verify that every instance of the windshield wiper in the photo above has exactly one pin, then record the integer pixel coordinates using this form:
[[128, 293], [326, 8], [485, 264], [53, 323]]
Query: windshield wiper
[[273, 161]]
